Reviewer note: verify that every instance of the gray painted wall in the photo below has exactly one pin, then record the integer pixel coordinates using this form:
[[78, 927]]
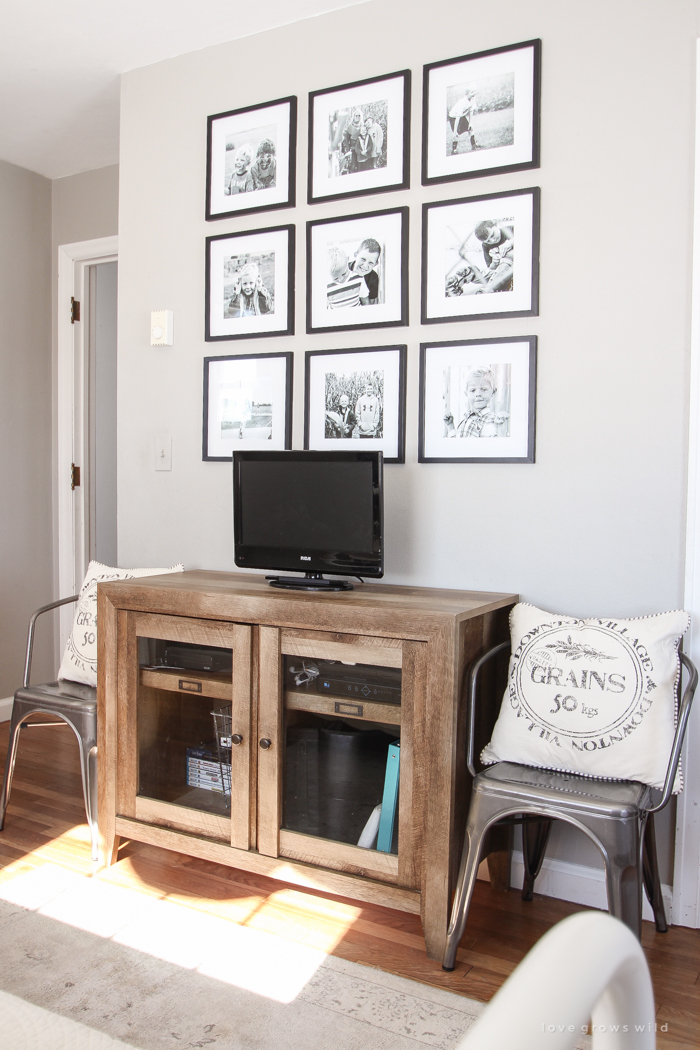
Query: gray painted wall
[[596, 526], [25, 418]]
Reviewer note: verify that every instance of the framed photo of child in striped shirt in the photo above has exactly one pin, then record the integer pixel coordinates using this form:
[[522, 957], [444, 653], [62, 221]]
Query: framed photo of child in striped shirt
[[357, 271]]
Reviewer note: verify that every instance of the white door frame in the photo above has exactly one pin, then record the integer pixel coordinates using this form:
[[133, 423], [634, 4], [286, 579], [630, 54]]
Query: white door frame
[[686, 881], [71, 430]]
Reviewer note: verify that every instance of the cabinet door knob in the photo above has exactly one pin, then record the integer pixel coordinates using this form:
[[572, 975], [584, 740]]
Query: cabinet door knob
[[265, 744], [236, 739]]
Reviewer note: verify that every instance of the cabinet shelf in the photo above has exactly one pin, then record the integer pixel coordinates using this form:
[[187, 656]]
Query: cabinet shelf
[[337, 706]]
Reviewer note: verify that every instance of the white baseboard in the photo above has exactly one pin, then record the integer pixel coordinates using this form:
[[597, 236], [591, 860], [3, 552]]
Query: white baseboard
[[579, 884], [6, 709]]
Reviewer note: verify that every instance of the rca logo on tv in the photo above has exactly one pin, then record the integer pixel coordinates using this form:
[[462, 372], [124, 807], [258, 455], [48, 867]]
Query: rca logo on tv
[[303, 557]]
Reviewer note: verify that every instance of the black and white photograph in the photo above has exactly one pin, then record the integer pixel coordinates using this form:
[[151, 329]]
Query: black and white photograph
[[481, 257], [357, 271], [251, 159], [477, 401], [250, 284], [359, 137], [481, 113], [247, 404], [356, 396]]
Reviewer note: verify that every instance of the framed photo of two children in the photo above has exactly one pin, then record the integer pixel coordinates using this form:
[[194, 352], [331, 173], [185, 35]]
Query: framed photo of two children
[[357, 271], [251, 159]]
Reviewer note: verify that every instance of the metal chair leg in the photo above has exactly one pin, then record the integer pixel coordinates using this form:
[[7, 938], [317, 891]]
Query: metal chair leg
[[620, 842], [535, 836], [18, 714], [477, 825], [650, 874]]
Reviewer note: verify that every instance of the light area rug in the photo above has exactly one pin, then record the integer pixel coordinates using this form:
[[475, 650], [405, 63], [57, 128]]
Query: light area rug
[[120, 965]]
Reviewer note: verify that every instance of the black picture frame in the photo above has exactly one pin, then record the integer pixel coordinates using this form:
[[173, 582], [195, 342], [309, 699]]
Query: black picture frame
[[278, 240], [327, 163], [393, 311], [241, 123], [393, 385], [506, 146], [504, 433], [212, 365], [444, 299]]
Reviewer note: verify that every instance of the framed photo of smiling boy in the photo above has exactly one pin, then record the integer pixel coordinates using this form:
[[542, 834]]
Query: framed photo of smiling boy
[[357, 271], [477, 401], [251, 159], [481, 257]]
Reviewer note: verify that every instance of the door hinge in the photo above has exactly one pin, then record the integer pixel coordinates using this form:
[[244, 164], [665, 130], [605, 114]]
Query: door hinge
[[74, 476], [74, 310]]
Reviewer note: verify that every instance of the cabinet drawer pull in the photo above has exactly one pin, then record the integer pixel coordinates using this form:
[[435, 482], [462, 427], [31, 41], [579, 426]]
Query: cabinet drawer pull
[[265, 744], [342, 708], [190, 687], [236, 739]]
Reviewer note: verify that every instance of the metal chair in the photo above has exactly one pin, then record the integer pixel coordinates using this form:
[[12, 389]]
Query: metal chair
[[75, 704], [617, 815]]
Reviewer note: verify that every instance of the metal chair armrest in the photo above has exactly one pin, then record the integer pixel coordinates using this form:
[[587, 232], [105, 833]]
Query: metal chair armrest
[[30, 634], [471, 710], [682, 725]]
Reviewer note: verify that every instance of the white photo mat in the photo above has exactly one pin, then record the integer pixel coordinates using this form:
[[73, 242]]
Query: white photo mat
[[241, 126], [445, 227], [390, 363], [520, 62], [247, 403], [386, 228], [321, 183], [257, 243], [445, 369]]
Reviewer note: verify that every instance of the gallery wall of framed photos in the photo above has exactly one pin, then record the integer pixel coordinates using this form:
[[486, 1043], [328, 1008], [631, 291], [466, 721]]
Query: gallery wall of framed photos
[[478, 261]]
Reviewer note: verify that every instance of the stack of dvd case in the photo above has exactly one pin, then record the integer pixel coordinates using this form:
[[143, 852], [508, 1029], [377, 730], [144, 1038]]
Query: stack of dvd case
[[205, 771]]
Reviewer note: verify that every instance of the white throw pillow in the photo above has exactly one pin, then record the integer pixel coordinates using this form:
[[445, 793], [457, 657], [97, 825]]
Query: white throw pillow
[[79, 663], [593, 697]]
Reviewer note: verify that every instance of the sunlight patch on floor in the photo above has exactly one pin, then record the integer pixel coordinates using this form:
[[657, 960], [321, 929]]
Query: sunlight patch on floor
[[273, 949]]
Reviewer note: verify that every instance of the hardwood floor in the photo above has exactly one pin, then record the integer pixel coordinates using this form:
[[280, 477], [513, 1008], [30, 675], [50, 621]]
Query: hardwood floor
[[45, 824]]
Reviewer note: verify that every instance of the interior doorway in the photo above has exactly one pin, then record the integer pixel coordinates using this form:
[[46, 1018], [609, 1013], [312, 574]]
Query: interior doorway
[[86, 461]]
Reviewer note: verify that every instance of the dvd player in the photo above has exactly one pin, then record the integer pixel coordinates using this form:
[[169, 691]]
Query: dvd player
[[361, 681]]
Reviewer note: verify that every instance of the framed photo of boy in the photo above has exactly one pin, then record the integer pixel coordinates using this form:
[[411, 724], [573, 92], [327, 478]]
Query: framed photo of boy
[[357, 271], [481, 257], [481, 113], [250, 284], [359, 138], [247, 404], [477, 401], [251, 159], [354, 396]]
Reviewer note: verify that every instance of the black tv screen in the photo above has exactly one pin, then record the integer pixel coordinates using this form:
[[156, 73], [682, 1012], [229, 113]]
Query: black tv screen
[[309, 511]]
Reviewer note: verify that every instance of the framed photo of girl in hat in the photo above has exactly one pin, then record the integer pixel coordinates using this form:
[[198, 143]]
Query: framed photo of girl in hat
[[250, 284]]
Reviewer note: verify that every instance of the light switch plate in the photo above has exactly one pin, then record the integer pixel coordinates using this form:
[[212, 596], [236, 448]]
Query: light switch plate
[[161, 327], [164, 452]]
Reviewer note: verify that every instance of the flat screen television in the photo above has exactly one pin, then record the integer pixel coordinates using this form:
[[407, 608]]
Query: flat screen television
[[310, 512]]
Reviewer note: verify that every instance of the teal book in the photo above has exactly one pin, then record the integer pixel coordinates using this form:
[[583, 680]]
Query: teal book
[[389, 798]]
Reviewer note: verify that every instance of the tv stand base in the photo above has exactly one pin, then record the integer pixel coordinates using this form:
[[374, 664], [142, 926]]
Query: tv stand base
[[312, 581]]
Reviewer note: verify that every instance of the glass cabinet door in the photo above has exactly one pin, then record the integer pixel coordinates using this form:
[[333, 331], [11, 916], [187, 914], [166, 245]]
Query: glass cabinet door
[[191, 719], [344, 738]]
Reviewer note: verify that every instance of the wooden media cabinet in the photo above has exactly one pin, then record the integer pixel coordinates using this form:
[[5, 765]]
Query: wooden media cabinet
[[252, 727]]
